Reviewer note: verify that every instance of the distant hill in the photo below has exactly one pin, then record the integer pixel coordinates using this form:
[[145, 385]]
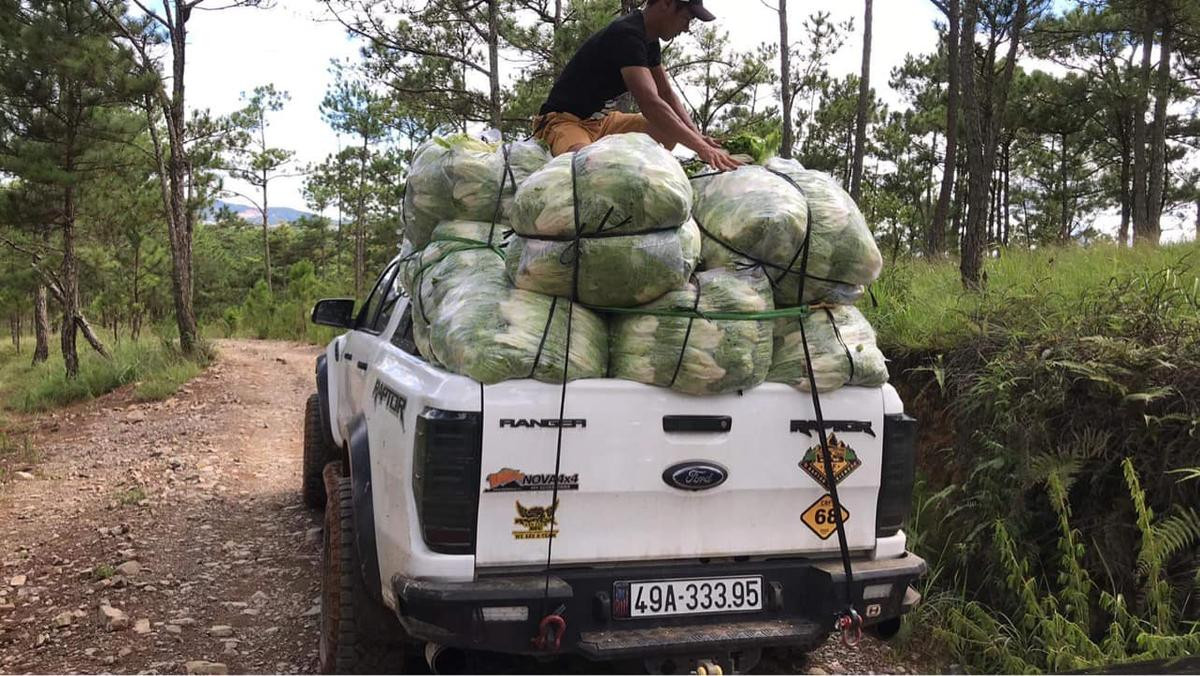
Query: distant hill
[[275, 215]]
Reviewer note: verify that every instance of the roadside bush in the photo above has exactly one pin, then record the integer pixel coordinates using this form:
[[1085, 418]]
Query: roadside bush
[[1038, 398], [284, 315]]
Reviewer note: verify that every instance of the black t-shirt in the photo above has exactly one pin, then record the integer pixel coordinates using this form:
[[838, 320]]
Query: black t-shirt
[[593, 76]]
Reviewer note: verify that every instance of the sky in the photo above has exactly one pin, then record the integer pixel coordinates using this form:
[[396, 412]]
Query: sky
[[292, 44]]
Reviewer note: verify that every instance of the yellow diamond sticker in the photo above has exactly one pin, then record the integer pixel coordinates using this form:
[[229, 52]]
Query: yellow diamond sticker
[[820, 517]]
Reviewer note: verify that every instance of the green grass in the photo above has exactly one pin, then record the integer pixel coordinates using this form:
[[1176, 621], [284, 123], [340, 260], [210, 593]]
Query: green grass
[[103, 571], [131, 496], [157, 370], [922, 305]]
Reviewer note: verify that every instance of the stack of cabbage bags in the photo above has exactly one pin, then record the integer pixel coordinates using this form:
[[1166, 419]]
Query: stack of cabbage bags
[[609, 225], [763, 218], [496, 259], [470, 320]]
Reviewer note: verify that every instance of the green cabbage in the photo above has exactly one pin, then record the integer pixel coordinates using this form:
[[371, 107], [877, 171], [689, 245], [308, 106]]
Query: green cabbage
[[459, 177], [750, 214], [852, 360], [625, 183], [468, 319], [843, 256], [721, 356], [760, 217], [618, 271]]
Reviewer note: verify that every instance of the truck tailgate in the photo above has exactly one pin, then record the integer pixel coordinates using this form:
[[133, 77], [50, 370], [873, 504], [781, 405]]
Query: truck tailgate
[[617, 501]]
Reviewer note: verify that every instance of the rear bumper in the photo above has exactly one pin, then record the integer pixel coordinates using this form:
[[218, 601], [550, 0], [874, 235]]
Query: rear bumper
[[801, 598]]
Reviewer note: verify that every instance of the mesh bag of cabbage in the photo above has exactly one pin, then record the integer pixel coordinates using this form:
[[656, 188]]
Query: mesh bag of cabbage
[[842, 345], [607, 225], [462, 178], [694, 354], [469, 319], [764, 216]]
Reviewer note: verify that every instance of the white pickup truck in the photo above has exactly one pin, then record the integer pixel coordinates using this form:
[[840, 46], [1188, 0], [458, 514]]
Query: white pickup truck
[[687, 532]]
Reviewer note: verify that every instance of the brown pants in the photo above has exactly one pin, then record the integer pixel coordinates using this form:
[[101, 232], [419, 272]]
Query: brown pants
[[564, 131]]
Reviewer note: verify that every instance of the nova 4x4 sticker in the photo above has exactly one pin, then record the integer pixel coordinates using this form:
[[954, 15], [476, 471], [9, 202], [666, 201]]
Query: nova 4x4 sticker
[[845, 461], [538, 522], [509, 479]]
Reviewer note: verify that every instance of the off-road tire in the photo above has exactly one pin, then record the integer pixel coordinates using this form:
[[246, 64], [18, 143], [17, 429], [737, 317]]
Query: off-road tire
[[358, 635], [316, 454]]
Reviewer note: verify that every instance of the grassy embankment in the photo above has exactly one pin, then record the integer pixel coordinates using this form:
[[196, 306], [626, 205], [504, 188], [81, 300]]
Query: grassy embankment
[[1060, 414], [154, 368]]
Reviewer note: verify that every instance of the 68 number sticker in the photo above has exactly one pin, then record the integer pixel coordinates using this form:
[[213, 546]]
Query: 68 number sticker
[[821, 518]]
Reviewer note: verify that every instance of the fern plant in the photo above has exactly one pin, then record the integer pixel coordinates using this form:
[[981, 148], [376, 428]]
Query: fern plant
[[1051, 626]]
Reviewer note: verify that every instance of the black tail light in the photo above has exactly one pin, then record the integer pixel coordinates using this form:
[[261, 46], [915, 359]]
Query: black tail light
[[899, 473], [446, 478]]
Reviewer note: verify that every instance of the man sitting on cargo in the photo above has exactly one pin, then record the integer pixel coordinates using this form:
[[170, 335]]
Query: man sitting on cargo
[[626, 56]]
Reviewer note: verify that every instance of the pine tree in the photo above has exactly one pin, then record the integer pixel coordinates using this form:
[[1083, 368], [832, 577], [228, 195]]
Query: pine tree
[[65, 82]]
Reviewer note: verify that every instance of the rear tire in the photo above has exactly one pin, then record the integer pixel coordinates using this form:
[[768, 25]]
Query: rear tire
[[358, 635], [317, 453]]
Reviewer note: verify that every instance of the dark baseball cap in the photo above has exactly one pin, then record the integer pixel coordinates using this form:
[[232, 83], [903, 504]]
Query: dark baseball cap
[[698, 10]]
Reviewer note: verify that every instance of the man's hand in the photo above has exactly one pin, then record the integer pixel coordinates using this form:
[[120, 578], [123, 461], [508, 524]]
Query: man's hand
[[717, 158], [713, 142]]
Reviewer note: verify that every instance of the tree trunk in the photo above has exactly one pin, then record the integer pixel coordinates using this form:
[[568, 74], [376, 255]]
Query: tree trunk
[[1156, 183], [41, 325], [785, 83], [864, 96], [985, 115], [1126, 205], [1007, 189], [935, 239], [1064, 232], [1139, 136], [266, 210], [971, 247], [494, 62], [69, 279], [135, 310], [360, 217], [179, 223]]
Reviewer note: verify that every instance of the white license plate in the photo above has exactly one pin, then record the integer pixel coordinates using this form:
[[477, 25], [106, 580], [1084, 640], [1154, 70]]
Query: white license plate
[[698, 596]]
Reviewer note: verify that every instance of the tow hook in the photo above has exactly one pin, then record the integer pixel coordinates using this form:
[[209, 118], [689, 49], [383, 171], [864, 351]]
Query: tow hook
[[850, 624], [550, 631], [708, 668]]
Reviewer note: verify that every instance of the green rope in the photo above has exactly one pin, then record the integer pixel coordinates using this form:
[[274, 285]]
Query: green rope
[[766, 315]]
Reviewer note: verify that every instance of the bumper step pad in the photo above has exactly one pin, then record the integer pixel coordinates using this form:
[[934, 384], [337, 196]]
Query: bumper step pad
[[688, 639]]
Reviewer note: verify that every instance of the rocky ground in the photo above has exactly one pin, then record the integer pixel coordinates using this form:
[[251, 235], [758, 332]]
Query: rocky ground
[[170, 537]]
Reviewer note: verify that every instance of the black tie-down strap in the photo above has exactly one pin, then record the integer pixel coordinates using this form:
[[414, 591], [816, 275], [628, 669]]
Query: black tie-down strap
[[847, 620], [687, 335], [553, 625]]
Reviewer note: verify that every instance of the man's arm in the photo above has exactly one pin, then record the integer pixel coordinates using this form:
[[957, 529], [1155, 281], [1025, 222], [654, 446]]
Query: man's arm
[[666, 123], [663, 83]]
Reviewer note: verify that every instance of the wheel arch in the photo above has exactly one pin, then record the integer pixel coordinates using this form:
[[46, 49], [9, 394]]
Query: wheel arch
[[364, 509], [328, 390]]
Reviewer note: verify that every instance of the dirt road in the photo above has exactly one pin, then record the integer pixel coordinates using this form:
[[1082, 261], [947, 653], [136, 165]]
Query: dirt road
[[151, 536], [182, 516]]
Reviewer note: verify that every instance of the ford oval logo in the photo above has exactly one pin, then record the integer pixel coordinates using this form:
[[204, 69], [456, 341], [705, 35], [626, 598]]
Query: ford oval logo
[[695, 476]]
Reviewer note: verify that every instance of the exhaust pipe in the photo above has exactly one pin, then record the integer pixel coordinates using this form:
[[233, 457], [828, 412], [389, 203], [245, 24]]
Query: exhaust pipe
[[443, 660]]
